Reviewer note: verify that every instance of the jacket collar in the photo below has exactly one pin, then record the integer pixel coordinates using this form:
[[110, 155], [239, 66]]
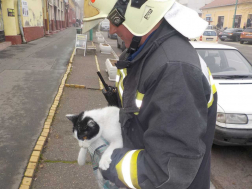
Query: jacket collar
[[161, 34]]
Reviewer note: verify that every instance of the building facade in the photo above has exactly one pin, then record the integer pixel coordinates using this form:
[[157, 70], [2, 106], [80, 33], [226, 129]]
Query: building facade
[[32, 19], [54, 15], [36, 19], [222, 13]]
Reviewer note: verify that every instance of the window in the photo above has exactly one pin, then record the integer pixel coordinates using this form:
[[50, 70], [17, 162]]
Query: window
[[209, 33], [225, 62], [208, 19]]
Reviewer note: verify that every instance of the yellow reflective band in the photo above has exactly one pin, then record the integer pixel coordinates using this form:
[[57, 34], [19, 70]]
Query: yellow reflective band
[[139, 96], [121, 74], [212, 100], [214, 89], [139, 100], [119, 170], [133, 169], [118, 75], [127, 169]]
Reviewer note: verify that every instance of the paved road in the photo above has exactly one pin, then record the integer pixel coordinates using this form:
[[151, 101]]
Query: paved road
[[232, 166], [29, 75]]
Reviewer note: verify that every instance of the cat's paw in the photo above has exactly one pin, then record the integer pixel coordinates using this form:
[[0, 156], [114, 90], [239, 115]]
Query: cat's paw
[[104, 162]]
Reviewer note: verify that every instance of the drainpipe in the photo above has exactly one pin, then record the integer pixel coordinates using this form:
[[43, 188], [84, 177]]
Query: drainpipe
[[235, 13], [47, 17], [20, 22]]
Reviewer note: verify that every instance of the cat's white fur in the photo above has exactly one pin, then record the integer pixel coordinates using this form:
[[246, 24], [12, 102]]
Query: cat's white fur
[[110, 129]]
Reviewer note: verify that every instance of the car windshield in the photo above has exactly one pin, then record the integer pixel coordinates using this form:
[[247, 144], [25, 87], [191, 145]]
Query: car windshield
[[226, 63], [209, 33]]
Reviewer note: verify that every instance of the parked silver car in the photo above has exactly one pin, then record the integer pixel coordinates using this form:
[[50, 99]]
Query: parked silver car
[[104, 25], [112, 36]]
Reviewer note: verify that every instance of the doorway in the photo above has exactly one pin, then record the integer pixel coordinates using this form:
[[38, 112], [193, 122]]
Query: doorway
[[237, 21], [220, 22], [55, 18]]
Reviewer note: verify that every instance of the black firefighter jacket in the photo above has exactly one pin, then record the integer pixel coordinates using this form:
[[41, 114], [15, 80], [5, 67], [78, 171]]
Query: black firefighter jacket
[[168, 116]]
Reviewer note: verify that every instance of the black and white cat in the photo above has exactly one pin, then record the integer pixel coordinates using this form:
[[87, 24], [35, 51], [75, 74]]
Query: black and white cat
[[90, 125]]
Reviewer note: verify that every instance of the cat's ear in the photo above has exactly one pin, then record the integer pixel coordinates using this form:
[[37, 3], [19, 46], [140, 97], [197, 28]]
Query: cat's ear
[[72, 117]]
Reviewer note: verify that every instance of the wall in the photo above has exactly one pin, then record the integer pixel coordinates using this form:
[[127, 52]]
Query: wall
[[9, 22], [228, 13], [33, 23], [11, 29], [35, 17]]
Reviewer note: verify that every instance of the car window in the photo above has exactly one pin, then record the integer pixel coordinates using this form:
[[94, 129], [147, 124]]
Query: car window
[[209, 33], [237, 61], [225, 62]]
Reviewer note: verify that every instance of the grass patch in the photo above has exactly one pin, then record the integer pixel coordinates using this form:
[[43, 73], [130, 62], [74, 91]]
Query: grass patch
[[59, 161]]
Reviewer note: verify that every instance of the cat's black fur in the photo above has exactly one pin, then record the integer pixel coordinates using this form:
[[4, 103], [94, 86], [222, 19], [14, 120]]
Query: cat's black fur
[[83, 127]]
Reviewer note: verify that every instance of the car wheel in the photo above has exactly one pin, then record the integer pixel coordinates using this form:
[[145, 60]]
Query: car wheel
[[241, 42], [123, 46]]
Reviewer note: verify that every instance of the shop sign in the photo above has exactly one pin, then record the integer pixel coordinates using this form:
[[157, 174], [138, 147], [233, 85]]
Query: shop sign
[[25, 8], [11, 12], [81, 41]]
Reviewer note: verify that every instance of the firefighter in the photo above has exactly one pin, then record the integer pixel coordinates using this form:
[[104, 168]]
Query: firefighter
[[168, 101]]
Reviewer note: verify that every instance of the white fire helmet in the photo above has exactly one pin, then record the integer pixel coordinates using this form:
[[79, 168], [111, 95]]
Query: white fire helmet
[[140, 16]]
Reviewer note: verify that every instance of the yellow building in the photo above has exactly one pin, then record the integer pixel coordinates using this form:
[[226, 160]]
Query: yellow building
[[221, 13], [9, 19], [30, 22], [54, 15]]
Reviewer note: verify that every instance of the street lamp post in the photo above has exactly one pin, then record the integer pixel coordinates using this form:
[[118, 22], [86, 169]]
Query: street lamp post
[[235, 12]]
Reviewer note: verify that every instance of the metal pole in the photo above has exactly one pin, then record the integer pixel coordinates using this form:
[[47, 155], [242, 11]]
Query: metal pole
[[91, 35], [235, 12]]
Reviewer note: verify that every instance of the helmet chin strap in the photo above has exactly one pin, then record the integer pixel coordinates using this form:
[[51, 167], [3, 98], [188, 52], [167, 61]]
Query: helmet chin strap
[[134, 44]]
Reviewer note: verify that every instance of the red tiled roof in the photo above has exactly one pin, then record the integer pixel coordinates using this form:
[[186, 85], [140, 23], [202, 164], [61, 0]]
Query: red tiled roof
[[220, 3]]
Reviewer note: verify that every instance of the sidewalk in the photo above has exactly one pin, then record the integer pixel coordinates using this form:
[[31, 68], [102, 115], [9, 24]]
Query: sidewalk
[[57, 167]]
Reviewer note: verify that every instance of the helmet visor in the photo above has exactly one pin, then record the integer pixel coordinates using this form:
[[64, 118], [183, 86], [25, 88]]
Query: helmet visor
[[92, 16], [89, 10]]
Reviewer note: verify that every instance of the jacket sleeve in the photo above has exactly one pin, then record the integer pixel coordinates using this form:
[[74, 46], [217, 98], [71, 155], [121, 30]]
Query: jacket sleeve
[[174, 111]]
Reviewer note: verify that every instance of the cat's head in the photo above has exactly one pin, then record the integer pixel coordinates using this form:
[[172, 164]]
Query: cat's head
[[84, 128]]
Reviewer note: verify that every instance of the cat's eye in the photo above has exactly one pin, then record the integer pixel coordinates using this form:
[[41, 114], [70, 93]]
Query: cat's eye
[[91, 123]]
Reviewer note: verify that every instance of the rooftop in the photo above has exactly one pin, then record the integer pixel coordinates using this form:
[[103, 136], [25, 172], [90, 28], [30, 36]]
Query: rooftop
[[220, 3]]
